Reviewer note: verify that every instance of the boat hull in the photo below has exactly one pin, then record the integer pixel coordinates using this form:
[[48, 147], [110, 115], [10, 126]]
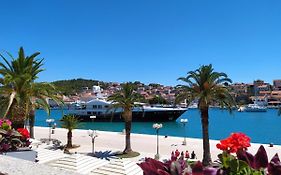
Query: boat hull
[[255, 110], [252, 109], [150, 116]]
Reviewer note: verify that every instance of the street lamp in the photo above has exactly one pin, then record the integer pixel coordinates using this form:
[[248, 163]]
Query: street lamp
[[49, 122], [93, 134], [157, 126], [53, 128], [184, 121]]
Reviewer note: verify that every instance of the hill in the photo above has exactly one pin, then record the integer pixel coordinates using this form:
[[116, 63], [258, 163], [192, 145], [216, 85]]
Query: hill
[[73, 86]]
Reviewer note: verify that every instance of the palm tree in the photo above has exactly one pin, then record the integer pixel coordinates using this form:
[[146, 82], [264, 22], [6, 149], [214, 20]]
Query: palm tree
[[125, 99], [208, 87], [69, 122], [20, 91], [37, 97]]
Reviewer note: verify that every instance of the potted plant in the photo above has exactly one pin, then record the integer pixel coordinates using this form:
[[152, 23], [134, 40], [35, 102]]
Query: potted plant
[[15, 143]]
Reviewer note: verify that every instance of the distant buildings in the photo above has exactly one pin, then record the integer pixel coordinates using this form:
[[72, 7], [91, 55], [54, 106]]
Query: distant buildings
[[244, 93], [258, 90]]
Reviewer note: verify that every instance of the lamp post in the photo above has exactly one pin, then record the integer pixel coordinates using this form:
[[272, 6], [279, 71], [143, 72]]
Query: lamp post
[[93, 134], [184, 121], [157, 126], [53, 128], [49, 122]]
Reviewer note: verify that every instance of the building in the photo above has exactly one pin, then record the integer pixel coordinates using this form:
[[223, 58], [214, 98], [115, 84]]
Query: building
[[277, 84], [258, 86], [261, 88], [258, 83], [250, 89], [274, 98], [239, 89]]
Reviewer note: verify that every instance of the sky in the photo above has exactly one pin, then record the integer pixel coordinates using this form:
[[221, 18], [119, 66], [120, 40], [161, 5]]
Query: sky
[[152, 41]]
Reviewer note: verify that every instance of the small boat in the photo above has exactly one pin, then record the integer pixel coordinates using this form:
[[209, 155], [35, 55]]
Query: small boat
[[253, 108]]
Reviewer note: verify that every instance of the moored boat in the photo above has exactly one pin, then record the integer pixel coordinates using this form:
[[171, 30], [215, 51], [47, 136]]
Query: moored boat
[[101, 110], [253, 108]]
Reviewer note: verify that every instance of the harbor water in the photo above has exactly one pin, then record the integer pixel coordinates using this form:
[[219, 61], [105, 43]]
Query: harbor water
[[262, 127]]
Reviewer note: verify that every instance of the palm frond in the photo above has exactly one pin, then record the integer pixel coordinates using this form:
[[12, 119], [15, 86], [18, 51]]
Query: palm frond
[[19, 77], [69, 122], [125, 98], [207, 87]]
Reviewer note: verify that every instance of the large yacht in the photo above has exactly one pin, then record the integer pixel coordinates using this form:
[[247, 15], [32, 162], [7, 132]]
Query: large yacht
[[101, 110]]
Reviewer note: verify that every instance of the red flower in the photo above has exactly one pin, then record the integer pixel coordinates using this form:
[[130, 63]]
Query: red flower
[[234, 142], [24, 132]]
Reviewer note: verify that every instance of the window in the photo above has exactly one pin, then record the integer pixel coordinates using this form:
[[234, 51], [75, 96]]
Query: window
[[99, 106], [95, 106]]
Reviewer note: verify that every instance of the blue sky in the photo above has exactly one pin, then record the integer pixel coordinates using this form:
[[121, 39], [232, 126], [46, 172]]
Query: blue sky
[[146, 40]]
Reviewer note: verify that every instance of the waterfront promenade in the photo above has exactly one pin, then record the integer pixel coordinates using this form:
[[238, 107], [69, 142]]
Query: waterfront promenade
[[144, 144]]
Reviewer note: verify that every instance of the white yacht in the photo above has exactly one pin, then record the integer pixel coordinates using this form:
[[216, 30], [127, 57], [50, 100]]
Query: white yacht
[[100, 110], [256, 107]]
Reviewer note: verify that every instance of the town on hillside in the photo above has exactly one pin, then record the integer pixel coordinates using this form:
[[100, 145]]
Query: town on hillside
[[244, 93]]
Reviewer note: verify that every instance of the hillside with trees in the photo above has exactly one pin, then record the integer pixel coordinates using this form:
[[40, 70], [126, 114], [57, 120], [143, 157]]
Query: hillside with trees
[[73, 86]]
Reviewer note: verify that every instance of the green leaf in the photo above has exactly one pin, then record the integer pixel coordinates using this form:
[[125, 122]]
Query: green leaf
[[16, 140], [234, 165], [243, 164], [2, 131], [1, 139], [16, 133]]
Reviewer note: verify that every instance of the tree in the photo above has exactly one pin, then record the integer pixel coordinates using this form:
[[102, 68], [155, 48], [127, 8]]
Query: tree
[[21, 94], [69, 122], [157, 99], [154, 85], [125, 99], [74, 86], [208, 87]]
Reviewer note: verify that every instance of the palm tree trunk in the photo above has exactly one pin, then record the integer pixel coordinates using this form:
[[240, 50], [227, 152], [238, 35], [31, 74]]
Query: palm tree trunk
[[11, 99], [31, 123], [128, 126], [69, 139], [17, 124], [205, 128], [17, 116]]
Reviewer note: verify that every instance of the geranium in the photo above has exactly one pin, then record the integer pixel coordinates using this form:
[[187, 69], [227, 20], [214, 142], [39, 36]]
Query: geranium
[[235, 142], [24, 132]]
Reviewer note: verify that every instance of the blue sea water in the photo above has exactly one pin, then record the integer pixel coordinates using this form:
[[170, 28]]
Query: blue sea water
[[263, 127]]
